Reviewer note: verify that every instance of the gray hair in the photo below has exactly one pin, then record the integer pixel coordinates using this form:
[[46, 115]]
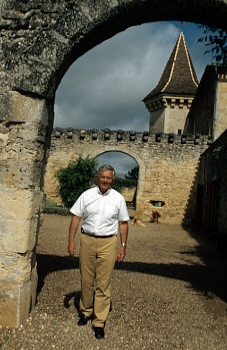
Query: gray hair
[[106, 167]]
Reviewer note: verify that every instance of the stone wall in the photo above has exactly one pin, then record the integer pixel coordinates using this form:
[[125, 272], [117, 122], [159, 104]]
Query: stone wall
[[129, 195], [168, 115], [167, 167], [207, 115], [213, 202], [23, 139], [221, 105]]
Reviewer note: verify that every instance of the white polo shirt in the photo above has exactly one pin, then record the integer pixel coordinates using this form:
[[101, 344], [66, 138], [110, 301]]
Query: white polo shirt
[[101, 212]]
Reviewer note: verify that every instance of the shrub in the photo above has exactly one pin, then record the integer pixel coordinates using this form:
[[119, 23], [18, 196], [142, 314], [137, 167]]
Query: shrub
[[75, 179]]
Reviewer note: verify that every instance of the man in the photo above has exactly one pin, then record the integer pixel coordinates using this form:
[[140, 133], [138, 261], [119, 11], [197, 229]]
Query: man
[[104, 212]]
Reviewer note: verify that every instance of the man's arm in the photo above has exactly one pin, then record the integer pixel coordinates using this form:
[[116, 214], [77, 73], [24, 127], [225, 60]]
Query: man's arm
[[123, 229], [72, 233]]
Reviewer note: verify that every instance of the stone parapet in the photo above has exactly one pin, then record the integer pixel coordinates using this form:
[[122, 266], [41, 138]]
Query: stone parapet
[[132, 136]]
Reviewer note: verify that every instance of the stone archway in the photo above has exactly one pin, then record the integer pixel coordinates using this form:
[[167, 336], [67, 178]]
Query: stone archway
[[63, 157], [120, 160], [39, 41], [142, 174], [142, 170]]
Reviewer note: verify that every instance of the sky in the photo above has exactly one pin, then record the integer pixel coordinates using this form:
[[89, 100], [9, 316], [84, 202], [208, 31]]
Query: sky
[[104, 88]]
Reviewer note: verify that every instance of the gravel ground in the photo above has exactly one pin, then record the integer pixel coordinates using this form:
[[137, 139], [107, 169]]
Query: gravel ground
[[169, 293]]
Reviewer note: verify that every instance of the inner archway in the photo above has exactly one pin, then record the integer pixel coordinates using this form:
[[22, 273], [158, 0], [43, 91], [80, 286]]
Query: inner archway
[[121, 162], [127, 175]]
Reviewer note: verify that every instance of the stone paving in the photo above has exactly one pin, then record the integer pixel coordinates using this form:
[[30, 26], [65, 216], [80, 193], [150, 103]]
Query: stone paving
[[169, 293]]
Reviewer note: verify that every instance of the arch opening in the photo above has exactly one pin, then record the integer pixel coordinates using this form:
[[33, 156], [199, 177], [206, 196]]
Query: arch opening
[[126, 168], [16, 76], [105, 87]]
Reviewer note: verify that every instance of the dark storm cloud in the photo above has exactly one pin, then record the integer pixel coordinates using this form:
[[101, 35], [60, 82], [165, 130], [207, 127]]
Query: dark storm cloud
[[104, 88]]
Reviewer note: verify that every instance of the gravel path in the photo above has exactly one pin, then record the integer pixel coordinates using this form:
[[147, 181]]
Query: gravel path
[[169, 293]]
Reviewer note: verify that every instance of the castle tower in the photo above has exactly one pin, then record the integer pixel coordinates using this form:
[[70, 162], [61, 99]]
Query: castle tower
[[170, 101]]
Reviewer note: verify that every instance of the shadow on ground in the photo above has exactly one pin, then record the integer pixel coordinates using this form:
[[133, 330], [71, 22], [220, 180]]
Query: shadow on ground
[[209, 279]]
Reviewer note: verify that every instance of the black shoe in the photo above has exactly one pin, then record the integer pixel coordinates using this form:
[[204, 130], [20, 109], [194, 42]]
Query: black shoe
[[83, 320], [99, 332]]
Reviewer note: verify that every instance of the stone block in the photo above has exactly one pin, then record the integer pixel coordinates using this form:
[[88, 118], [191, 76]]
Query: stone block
[[18, 235], [4, 106], [34, 282], [19, 220], [21, 172], [14, 303], [15, 267], [22, 109], [19, 204]]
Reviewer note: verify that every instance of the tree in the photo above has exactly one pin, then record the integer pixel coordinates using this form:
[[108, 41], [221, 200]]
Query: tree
[[133, 174], [216, 39], [130, 180], [75, 179]]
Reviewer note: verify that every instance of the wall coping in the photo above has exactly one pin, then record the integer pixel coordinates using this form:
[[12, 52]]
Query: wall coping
[[132, 136]]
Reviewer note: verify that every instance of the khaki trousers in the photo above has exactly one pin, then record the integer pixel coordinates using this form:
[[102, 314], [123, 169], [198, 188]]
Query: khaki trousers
[[97, 260]]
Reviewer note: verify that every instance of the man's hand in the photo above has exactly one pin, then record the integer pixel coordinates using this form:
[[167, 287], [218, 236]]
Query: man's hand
[[123, 229], [121, 254], [72, 248]]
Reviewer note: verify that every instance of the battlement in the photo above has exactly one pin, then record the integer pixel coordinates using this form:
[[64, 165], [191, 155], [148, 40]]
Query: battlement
[[131, 136]]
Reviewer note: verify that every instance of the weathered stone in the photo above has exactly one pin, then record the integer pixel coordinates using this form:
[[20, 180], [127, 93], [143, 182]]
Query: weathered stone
[[15, 300], [213, 192], [15, 267], [4, 107], [24, 140]]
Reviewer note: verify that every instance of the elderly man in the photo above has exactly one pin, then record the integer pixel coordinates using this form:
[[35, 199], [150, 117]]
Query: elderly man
[[104, 213]]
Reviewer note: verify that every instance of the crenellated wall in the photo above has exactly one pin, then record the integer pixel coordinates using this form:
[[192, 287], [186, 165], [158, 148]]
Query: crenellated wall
[[167, 166]]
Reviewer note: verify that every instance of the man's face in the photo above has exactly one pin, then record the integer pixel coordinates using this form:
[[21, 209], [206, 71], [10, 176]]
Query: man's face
[[105, 180]]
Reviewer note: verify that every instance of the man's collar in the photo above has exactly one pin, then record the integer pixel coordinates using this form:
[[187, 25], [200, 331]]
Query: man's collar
[[104, 194]]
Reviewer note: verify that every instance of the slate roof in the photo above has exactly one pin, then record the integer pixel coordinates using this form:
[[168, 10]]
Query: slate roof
[[179, 76]]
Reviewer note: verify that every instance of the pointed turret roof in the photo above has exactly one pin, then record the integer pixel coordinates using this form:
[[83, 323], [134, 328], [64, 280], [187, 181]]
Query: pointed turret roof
[[178, 77]]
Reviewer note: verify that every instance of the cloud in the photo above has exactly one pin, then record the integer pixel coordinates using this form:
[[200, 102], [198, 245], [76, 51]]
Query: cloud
[[104, 88]]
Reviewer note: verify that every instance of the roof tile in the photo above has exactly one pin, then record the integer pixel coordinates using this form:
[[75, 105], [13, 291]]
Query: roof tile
[[179, 76]]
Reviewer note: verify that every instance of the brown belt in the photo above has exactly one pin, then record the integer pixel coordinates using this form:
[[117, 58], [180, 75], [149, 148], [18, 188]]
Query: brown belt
[[91, 235]]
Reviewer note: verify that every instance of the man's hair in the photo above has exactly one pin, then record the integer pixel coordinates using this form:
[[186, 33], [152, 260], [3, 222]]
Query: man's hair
[[106, 167]]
